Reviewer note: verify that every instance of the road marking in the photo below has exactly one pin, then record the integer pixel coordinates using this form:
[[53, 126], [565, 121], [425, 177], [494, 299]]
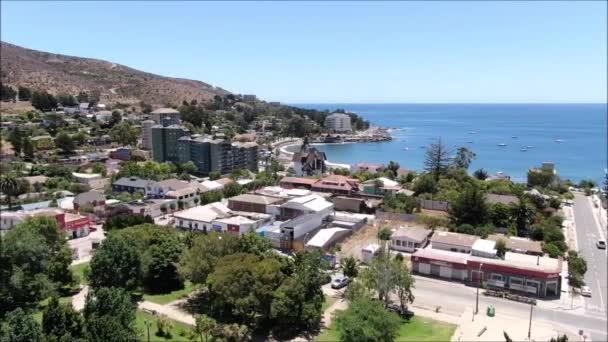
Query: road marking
[[599, 286]]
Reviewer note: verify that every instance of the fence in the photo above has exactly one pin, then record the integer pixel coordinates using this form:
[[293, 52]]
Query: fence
[[434, 205], [383, 215]]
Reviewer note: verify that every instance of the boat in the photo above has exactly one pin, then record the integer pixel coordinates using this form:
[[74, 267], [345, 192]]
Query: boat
[[514, 137], [523, 149], [559, 141], [473, 132], [529, 146], [406, 149], [502, 144]]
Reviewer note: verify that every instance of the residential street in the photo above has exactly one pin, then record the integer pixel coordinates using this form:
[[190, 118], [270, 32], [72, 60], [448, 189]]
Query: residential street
[[588, 232]]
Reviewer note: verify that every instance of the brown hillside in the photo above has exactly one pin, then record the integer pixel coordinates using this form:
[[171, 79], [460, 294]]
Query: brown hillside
[[60, 74]]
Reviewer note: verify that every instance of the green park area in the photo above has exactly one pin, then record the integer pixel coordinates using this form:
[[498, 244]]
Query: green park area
[[167, 298], [417, 329], [179, 332]]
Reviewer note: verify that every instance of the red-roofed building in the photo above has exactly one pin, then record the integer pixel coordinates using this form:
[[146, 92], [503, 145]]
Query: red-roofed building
[[297, 182], [337, 184], [75, 226]]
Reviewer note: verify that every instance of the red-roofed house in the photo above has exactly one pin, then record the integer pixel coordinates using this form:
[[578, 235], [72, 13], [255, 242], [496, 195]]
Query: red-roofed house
[[337, 184]]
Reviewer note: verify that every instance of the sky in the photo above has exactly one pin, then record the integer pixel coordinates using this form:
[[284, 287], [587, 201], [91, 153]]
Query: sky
[[340, 52]]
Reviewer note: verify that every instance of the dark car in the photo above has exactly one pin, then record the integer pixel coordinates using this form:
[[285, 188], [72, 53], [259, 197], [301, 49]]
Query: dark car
[[601, 244], [396, 308]]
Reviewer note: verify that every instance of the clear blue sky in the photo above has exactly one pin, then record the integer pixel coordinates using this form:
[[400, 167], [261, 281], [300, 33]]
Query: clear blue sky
[[338, 51]]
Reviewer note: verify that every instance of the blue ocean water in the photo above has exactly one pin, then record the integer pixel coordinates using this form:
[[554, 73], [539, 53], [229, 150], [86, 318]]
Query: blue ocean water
[[581, 127]]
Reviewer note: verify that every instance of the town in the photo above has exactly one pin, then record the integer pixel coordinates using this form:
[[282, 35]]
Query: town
[[227, 222]]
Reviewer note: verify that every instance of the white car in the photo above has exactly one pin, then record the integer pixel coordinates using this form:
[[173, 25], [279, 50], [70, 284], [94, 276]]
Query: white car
[[585, 291], [339, 282]]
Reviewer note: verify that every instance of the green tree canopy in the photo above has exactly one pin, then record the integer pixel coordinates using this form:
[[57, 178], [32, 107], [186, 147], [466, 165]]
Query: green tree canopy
[[109, 316], [116, 263], [366, 320]]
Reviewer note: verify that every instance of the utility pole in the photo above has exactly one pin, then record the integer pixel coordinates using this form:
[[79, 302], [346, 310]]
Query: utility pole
[[148, 323], [478, 286], [530, 324]]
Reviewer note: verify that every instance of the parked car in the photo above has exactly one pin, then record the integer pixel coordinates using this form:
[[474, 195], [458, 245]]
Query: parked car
[[601, 244], [339, 282], [585, 291], [396, 308]]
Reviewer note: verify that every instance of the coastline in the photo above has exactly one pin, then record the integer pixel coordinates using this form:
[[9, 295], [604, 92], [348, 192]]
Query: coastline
[[288, 155]]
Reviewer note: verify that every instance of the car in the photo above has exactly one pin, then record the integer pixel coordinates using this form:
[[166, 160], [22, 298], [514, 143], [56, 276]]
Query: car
[[396, 308], [585, 291], [339, 282], [601, 244]]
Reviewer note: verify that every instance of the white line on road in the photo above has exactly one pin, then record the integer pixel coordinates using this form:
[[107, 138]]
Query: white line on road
[[599, 286]]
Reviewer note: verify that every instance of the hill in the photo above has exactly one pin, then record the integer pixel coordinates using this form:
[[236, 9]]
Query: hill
[[61, 74]]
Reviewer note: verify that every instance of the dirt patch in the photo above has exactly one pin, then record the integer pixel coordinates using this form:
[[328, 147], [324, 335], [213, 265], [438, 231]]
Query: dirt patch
[[435, 213]]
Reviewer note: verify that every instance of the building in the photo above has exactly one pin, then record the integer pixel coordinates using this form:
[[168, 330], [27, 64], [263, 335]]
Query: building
[[168, 116], [103, 115], [131, 185], [217, 155], [455, 242], [201, 217], [338, 122], [249, 98], [165, 142], [146, 134], [86, 178], [309, 162], [409, 239], [245, 156], [366, 167], [337, 185], [440, 263], [73, 225], [310, 204], [121, 153], [253, 203], [198, 150], [186, 193], [94, 199], [519, 273], [484, 248], [381, 186], [241, 222], [519, 244], [151, 207], [325, 238], [297, 182]]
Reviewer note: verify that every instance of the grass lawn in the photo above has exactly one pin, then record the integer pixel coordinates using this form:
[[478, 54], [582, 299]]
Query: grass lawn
[[79, 271], [329, 301], [178, 327], [417, 329], [38, 313], [171, 296]]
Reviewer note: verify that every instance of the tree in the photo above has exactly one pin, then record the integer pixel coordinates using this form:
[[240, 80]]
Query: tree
[[160, 265], [18, 326], [232, 189], [8, 186], [437, 158], [213, 175], [60, 322], [124, 134], [7, 94], [384, 234], [43, 101], [470, 207], [189, 167], [15, 137], [82, 97], [109, 315], [116, 264], [28, 149], [204, 327], [64, 142], [425, 184], [234, 332], [164, 326], [393, 166], [66, 100], [540, 177], [522, 214], [378, 277], [114, 119], [366, 320], [349, 266], [499, 215], [24, 94], [480, 174], [463, 158], [501, 247], [404, 283]]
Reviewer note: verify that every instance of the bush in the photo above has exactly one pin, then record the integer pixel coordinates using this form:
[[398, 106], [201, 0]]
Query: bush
[[552, 250]]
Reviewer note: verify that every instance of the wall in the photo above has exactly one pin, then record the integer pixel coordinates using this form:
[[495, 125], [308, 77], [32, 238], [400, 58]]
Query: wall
[[435, 205]]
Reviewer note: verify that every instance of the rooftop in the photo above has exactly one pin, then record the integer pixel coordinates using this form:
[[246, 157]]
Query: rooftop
[[518, 244], [257, 199], [133, 182], [457, 239], [441, 255], [324, 236], [165, 111], [205, 213], [413, 233], [86, 175], [523, 262], [299, 180], [309, 203], [485, 246]]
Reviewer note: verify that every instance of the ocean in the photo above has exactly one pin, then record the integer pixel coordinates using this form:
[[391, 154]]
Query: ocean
[[573, 136]]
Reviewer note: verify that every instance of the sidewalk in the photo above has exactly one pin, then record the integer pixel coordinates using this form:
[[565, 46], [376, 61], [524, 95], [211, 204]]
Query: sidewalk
[[171, 310]]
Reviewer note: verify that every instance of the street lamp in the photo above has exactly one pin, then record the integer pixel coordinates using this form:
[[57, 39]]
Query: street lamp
[[478, 286], [530, 324]]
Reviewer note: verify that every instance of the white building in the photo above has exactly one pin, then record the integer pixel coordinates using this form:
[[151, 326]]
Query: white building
[[200, 217], [338, 122], [454, 242], [146, 134], [86, 178], [325, 238], [484, 248], [409, 239]]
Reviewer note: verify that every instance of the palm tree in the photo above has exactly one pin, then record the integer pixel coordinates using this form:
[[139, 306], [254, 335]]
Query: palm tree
[[8, 186]]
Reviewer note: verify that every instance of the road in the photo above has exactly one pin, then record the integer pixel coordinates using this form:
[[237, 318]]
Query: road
[[454, 298], [588, 232]]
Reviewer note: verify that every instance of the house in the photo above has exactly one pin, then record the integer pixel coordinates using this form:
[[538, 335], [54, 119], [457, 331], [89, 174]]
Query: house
[[186, 193], [121, 153], [73, 225], [366, 167], [455, 242], [153, 207], [297, 182], [210, 185], [337, 185], [9, 219], [310, 204], [253, 203], [241, 222], [484, 248], [95, 199], [352, 204], [131, 185], [201, 217], [519, 244], [309, 162], [381, 186], [325, 238], [409, 239], [86, 178]]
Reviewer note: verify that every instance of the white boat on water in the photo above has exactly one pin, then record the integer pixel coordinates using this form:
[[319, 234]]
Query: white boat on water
[[529, 146], [559, 141], [502, 144], [473, 132]]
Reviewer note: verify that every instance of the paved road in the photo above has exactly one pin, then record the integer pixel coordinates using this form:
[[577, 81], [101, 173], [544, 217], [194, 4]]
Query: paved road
[[588, 232], [455, 298]]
